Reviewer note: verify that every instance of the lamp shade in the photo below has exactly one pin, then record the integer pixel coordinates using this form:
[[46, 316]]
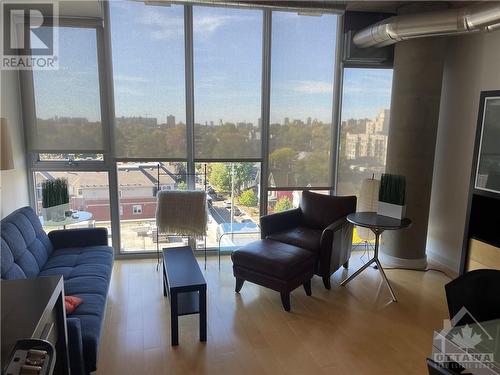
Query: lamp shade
[[368, 202], [6, 159]]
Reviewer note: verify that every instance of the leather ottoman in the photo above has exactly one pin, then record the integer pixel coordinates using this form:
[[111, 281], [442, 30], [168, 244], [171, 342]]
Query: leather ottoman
[[275, 265]]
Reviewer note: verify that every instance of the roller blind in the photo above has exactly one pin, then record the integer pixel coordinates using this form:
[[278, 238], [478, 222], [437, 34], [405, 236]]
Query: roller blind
[[67, 100], [149, 81], [227, 83], [302, 66]]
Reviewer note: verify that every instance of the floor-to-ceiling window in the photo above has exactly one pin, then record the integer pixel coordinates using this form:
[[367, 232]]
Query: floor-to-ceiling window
[[67, 100], [67, 134], [188, 102], [150, 116], [300, 132], [366, 102], [227, 47], [148, 76], [227, 44], [364, 129]]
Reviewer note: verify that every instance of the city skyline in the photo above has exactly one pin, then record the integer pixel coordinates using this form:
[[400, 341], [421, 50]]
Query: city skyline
[[148, 68], [171, 120]]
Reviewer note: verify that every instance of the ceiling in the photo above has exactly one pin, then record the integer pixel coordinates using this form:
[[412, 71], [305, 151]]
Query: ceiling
[[92, 8], [80, 8]]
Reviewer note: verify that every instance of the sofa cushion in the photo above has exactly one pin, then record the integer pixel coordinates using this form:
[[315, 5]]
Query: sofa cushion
[[274, 258], [86, 272], [305, 238], [25, 246], [79, 261]]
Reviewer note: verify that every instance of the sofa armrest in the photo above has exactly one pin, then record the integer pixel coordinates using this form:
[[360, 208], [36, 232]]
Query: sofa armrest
[[75, 346], [279, 221], [336, 246], [81, 237]]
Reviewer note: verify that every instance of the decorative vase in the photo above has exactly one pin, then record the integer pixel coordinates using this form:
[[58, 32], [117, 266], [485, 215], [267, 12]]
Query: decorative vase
[[391, 210], [55, 213]]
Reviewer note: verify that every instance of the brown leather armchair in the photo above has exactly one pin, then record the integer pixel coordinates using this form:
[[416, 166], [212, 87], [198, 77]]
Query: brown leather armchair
[[318, 225]]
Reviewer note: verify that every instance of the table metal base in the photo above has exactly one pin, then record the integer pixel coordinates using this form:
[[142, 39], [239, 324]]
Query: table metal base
[[375, 260]]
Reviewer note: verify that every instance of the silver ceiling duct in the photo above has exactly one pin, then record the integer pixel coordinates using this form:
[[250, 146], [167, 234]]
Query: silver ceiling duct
[[484, 16]]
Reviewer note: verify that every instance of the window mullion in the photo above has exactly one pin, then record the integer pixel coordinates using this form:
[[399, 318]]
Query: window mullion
[[189, 73], [265, 107], [337, 103], [109, 157]]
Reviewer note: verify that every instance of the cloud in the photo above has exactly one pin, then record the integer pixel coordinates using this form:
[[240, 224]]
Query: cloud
[[211, 82], [209, 23], [161, 26], [127, 91], [352, 90], [367, 81], [164, 27], [127, 78], [312, 87]]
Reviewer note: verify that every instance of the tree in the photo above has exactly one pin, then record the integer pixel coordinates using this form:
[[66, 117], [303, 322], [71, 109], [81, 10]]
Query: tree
[[282, 158], [283, 204], [220, 176], [248, 198], [243, 172]]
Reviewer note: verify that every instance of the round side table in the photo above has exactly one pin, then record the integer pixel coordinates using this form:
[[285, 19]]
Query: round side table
[[377, 224]]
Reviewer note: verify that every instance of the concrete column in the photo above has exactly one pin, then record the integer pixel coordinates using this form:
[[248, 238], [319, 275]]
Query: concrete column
[[416, 92]]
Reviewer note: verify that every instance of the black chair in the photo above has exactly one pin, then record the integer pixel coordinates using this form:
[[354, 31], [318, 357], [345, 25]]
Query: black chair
[[435, 368], [479, 292]]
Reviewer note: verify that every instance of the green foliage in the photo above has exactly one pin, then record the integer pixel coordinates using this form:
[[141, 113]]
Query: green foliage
[[54, 192], [182, 186], [283, 204], [219, 176], [248, 198], [281, 158], [392, 189], [299, 153], [138, 140]]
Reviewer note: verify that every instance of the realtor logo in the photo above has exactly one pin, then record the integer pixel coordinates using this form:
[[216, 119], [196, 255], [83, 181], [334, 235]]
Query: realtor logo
[[30, 35], [463, 344]]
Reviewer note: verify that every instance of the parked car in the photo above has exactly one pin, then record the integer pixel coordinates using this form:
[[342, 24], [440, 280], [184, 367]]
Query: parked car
[[217, 197], [236, 211], [227, 204]]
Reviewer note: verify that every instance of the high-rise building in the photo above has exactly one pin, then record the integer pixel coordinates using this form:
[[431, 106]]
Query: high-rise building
[[170, 120], [368, 138]]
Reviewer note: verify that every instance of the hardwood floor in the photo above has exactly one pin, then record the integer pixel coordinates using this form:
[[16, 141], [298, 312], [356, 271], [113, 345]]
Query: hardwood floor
[[347, 330]]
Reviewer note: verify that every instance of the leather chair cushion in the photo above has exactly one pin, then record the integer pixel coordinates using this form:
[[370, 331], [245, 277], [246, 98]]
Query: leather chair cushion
[[320, 210], [274, 258], [306, 238]]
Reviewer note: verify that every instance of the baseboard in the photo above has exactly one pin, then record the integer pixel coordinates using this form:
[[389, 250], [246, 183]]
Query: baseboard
[[443, 263], [392, 261]]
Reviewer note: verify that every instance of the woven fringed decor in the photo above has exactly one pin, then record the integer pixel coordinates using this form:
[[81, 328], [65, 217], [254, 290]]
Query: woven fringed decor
[[182, 212]]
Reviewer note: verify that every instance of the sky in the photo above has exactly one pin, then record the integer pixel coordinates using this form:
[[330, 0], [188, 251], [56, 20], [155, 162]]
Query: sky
[[148, 68]]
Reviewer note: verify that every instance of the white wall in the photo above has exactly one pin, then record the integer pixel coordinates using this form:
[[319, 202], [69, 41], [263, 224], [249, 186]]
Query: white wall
[[471, 66], [14, 183]]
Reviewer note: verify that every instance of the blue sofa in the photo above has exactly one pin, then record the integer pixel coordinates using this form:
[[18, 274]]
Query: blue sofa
[[81, 256]]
